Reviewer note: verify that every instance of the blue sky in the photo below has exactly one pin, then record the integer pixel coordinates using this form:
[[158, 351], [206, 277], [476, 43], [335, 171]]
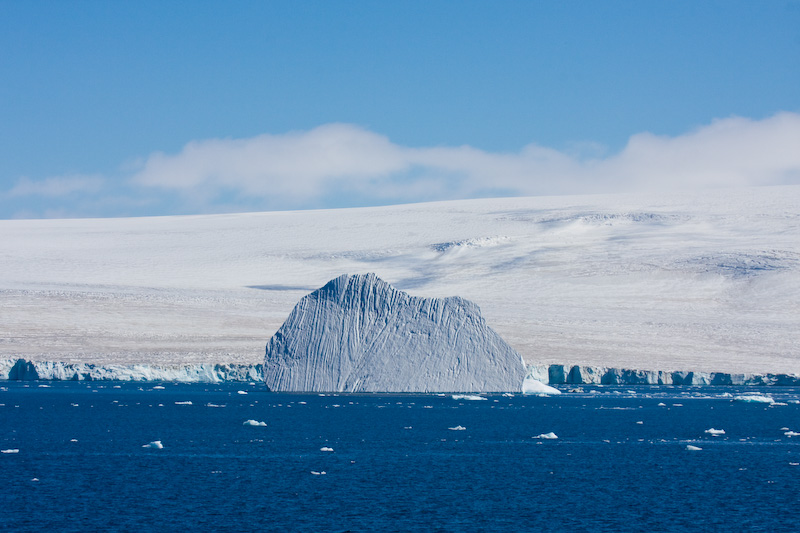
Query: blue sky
[[147, 108]]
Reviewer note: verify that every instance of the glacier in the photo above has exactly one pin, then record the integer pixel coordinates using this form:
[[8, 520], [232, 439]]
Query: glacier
[[556, 374], [359, 334]]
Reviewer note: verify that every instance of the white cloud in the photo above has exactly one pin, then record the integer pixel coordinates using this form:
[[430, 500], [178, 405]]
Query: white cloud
[[304, 167], [56, 186]]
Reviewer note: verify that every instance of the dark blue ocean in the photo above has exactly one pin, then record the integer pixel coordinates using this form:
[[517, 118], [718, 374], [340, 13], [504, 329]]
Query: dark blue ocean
[[619, 463]]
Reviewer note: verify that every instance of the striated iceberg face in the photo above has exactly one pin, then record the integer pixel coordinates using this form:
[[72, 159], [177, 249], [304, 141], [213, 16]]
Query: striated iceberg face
[[360, 334]]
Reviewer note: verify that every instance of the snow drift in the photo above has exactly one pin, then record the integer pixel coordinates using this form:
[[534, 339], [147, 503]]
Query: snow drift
[[360, 334]]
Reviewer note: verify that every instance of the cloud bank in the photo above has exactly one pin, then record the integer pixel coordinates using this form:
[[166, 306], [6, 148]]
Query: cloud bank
[[337, 165], [307, 166]]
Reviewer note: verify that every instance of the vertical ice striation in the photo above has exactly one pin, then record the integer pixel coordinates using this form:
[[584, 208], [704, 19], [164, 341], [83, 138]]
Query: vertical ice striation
[[360, 334]]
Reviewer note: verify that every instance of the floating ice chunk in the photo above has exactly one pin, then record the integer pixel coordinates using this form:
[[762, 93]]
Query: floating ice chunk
[[214, 405], [326, 449], [468, 397], [10, 450], [639, 422], [457, 428], [74, 404], [693, 448], [715, 432], [73, 440], [754, 398], [547, 436], [532, 386], [794, 401], [508, 395], [241, 392], [158, 387], [314, 472], [254, 423], [183, 403], [156, 445], [792, 434], [661, 404]]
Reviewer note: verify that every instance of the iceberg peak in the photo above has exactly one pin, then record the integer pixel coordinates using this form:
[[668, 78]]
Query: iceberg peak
[[359, 334]]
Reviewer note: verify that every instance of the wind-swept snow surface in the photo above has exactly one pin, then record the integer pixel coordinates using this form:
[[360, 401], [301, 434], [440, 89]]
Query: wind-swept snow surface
[[360, 334], [664, 282]]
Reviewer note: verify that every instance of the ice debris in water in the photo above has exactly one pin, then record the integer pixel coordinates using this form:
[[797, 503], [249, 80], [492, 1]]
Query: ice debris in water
[[693, 448], [183, 403], [322, 473], [241, 392], [326, 449], [457, 428], [792, 434], [715, 432], [156, 444], [468, 397], [547, 436], [754, 398], [10, 450], [254, 423]]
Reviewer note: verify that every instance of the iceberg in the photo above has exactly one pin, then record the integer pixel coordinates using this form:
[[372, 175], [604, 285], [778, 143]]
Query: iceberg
[[360, 334], [715, 432], [754, 398], [547, 436], [470, 397], [156, 445], [326, 449], [254, 423], [10, 450], [532, 386], [792, 434], [692, 448]]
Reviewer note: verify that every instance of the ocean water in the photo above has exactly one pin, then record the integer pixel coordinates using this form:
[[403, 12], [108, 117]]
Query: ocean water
[[619, 463]]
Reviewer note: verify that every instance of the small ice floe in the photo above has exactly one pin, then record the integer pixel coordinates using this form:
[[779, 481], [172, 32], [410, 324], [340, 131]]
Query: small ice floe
[[457, 428], [508, 395], [73, 440], [407, 427], [158, 387], [794, 464], [241, 392], [784, 429], [661, 404], [792, 434], [44, 386], [472, 397], [326, 449], [74, 405], [35, 479], [315, 473], [639, 422], [754, 398], [547, 436], [214, 405], [693, 448], [183, 403], [793, 401], [715, 432], [254, 423], [301, 403], [156, 445], [117, 387], [10, 450]]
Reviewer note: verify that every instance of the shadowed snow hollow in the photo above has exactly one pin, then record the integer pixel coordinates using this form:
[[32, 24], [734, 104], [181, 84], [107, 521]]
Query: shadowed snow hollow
[[360, 334]]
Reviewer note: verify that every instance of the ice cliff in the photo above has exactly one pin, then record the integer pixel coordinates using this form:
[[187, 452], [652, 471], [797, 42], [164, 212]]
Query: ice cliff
[[360, 334]]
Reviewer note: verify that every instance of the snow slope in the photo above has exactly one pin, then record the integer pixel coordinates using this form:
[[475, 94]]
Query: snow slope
[[360, 334], [668, 281]]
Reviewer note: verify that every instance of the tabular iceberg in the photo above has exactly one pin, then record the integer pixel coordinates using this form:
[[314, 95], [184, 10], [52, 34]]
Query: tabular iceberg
[[360, 334]]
